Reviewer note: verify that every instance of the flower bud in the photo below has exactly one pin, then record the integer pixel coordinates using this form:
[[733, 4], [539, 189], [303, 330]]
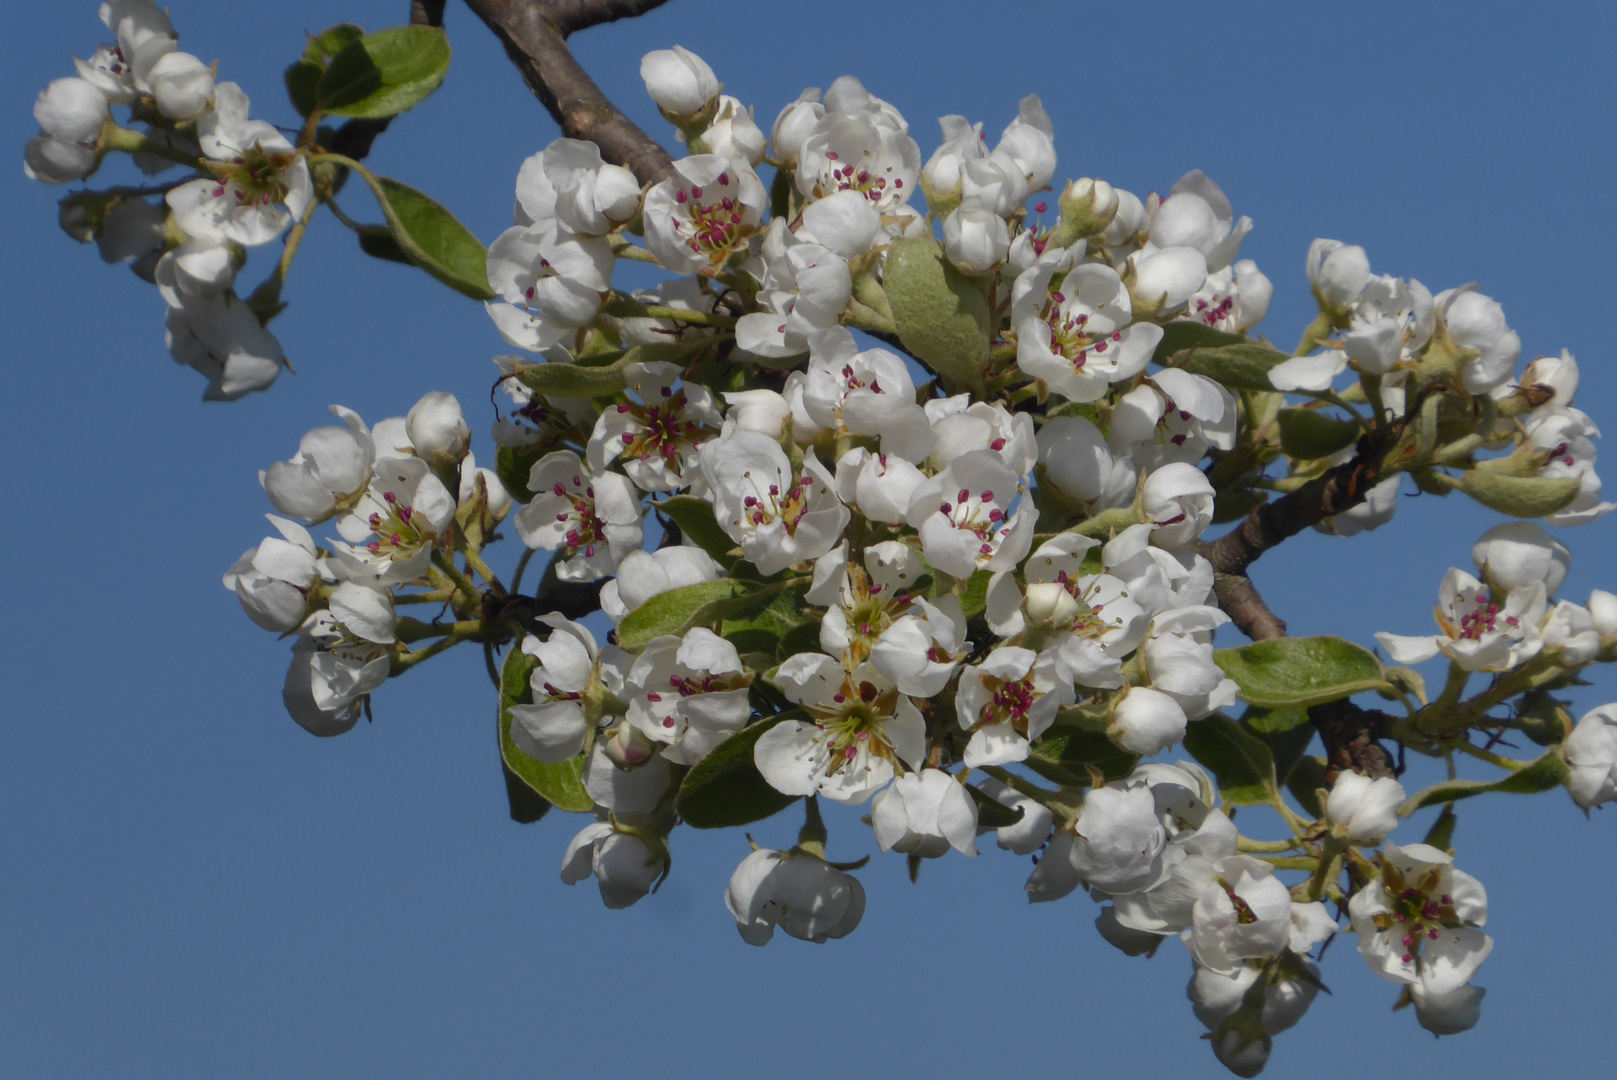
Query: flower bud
[[679, 81], [925, 814], [182, 85], [1448, 1013], [437, 430], [1551, 380], [794, 125], [758, 410], [975, 240], [72, 111], [1365, 810], [1591, 757], [1569, 635], [1050, 603], [1165, 279], [1146, 721], [1338, 272], [51, 161], [1519, 553], [734, 134], [1603, 606], [1178, 500], [1087, 208]]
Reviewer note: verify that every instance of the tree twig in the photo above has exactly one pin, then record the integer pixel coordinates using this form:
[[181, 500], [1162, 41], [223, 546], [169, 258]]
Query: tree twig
[[535, 38]]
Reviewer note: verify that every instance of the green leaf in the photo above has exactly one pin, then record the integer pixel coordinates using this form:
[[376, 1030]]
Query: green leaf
[[574, 380], [1286, 745], [1240, 367], [1300, 671], [1181, 335], [384, 73], [303, 75], [676, 611], [1441, 834], [1243, 763], [560, 784], [974, 594], [1519, 496], [1305, 782], [695, 519], [941, 315], [992, 814], [513, 464], [430, 237], [1064, 754], [526, 805], [725, 789], [1268, 721], [1307, 434], [762, 624], [1541, 774]]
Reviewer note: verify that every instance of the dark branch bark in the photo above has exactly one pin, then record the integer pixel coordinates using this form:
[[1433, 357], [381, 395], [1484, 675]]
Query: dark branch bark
[[534, 36], [427, 12], [1348, 732]]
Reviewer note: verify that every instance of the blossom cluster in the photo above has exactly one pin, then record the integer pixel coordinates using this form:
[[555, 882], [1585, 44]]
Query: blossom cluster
[[895, 494], [188, 237]]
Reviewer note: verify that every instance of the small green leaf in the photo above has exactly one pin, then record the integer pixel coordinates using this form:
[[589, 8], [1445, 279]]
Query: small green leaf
[[1441, 834], [1300, 671], [384, 73], [774, 616], [526, 805], [1181, 335], [1064, 754], [1519, 496], [513, 464], [725, 788], [974, 594], [303, 75], [695, 519], [992, 814], [1286, 745], [573, 380], [1243, 763], [676, 610], [1541, 774], [1307, 434], [1240, 367], [431, 238], [941, 315], [560, 784], [1306, 779], [1268, 721]]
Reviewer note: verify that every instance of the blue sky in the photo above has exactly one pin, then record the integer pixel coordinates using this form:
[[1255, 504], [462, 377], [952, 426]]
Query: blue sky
[[193, 887]]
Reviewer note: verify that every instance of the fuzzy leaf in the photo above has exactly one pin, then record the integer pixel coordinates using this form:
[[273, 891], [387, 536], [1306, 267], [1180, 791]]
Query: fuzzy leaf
[[941, 315], [1520, 496], [726, 789], [1181, 335], [560, 784], [384, 73], [992, 814], [1240, 367], [1243, 763], [1300, 671], [1307, 434], [695, 519], [1064, 754], [1541, 774], [676, 611]]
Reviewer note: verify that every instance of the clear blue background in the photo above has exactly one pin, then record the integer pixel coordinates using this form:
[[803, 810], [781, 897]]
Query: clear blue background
[[190, 886]]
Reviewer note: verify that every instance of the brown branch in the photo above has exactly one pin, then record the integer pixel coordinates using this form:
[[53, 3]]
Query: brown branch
[[1348, 732], [534, 36]]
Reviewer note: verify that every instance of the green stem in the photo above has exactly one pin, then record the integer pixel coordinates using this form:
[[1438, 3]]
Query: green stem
[[475, 561], [628, 308], [1330, 864], [463, 584], [410, 630], [1317, 331], [1484, 755], [1253, 847], [522, 566], [404, 663], [266, 299], [114, 137]]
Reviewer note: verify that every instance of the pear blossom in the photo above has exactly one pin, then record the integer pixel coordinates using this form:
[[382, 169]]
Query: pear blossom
[[1447, 1013], [920, 650], [869, 152], [1364, 810], [1591, 757], [703, 213], [689, 693], [70, 113], [272, 580], [803, 895], [333, 670], [794, 125], [1007, 701], [1027, 835], [865, 393], [592, 521], [877, 485], [1178, 501], [864, 603], [624, 866], [658, 436], [1519, 553], [1569, 634], [592, 197], [679, 81], [1338, 272], [1079, 338], [550, 283], [222, 338], [1078, 463], [1245, 913], [961, 425], [859, 727], [925, 813], [734, 134], [778, 517], [1477, 322], [1418, 920], [1120, 843], [973, 516], [1163, 280], [1478, 632], [1549, 380], [1197, 214], [1565, 436], [1146, 721], [259, 186], [391, 530], [557, 727], [330, 469], [1233, 299], [1392, 322], [181, 85]]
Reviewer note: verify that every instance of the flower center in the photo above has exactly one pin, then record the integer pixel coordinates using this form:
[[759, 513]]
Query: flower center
[[713, 220], [399, 531], [254, 177]]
